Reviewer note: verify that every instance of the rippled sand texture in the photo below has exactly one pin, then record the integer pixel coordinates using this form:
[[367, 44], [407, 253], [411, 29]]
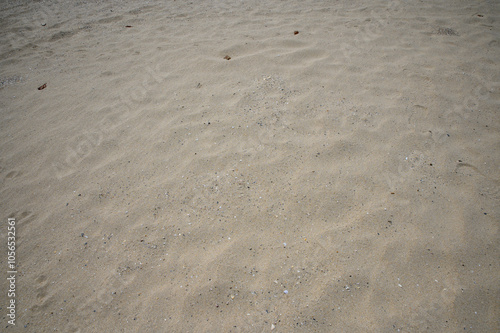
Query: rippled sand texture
[[342, 179]]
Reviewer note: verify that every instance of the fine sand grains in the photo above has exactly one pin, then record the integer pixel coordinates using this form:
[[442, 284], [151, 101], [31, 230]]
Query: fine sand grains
[[228, 166]]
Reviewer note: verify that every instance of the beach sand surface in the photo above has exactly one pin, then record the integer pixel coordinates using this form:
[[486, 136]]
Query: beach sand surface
[[339, 173]]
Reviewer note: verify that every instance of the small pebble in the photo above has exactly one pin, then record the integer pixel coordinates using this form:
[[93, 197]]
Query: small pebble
[[286, 291]]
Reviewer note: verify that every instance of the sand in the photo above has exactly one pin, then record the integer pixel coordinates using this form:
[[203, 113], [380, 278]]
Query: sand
[[344, 178]]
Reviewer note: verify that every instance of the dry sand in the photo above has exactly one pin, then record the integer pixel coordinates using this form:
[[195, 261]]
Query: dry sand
[[342, 179]]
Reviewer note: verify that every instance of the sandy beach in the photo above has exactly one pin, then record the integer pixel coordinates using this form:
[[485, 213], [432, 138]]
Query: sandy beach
[[245, 166]]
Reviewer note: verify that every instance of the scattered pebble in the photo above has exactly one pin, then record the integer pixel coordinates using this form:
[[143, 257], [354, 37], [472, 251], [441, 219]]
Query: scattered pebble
[[447, 32]]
